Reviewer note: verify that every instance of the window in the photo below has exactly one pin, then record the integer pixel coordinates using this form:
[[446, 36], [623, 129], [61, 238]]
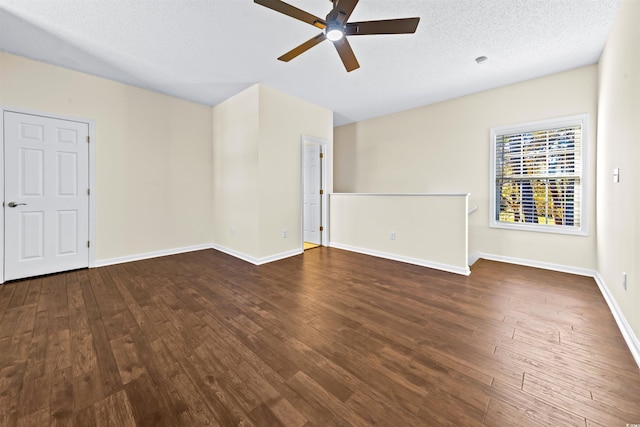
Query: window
[[538, 176]]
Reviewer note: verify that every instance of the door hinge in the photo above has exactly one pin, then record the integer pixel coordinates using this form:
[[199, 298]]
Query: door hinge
[[321, 192], [88, 191], [321, 155], [321, 228], [88, 139], [88, 243]]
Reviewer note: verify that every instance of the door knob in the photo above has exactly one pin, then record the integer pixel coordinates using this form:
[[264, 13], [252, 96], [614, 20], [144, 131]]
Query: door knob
[[14, 204]]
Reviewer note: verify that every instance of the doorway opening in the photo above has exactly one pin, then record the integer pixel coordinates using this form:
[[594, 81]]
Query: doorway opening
[[313, 193]]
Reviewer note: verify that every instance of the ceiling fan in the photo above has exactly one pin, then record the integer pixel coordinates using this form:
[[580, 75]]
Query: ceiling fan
[[335, 28]]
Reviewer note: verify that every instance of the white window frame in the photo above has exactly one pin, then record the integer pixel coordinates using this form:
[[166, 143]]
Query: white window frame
[[583, 121]]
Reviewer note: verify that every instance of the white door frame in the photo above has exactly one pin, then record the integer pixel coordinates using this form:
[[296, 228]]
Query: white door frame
[[324, 198], [92, 177]]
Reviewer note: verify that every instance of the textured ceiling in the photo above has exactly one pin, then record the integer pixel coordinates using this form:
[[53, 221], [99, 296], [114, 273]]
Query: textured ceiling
[[209, 50]]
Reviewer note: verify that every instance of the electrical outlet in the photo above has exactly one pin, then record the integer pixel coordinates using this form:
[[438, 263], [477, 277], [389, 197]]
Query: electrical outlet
[[284, 233], [624, 281], [232, 231], [392, 235]]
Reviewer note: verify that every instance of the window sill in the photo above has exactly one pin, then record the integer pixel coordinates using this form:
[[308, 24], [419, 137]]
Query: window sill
[[540, 228]]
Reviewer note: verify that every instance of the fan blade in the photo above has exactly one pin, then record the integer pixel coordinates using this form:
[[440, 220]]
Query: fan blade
[[294, 12], [302, 48], [346, 54], [343, 7], [386, 26]]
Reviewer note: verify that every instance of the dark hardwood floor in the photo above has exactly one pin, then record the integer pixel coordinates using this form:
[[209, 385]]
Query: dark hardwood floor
[[326, 338]]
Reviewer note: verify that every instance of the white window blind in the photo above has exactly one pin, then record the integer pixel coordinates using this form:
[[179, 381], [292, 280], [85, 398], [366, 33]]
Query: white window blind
[[539, 176]]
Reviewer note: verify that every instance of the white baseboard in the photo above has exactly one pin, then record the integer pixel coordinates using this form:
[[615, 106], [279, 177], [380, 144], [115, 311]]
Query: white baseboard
[[254, 260], [282, 255], [147, 255], [530, 263], [408, 260], [473, 258], [244, 257], [625, 328]]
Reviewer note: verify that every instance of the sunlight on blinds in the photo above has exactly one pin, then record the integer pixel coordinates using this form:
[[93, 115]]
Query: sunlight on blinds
[[538, 176]]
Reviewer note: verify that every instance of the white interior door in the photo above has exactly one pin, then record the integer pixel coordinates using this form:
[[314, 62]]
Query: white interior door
[[46, 206], [312, 206]]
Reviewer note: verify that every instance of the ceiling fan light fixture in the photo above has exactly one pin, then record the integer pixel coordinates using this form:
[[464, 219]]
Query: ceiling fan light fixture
[[334, 32]]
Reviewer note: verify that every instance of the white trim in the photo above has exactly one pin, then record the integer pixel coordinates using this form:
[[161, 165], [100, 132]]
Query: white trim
[[92, 176], [402, 194], [473, 258], [324, 199], [415, 261], [2, 110], [583, 120], [625, 328], [175, 251], [92, 193], [278, 257], [253, 260], [147, 255], [530, 263], [466, 231], [236, 254], [540, 228]]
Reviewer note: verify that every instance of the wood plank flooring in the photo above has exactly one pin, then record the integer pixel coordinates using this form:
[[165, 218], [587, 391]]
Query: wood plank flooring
[[328, 338]]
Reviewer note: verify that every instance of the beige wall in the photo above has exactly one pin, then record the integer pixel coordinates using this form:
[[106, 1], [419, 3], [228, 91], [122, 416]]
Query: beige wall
[[283, 120], [619, 147], [444, 148], [173, 174], [429, 230], [153, 154], [257, 170], [235, 173]]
